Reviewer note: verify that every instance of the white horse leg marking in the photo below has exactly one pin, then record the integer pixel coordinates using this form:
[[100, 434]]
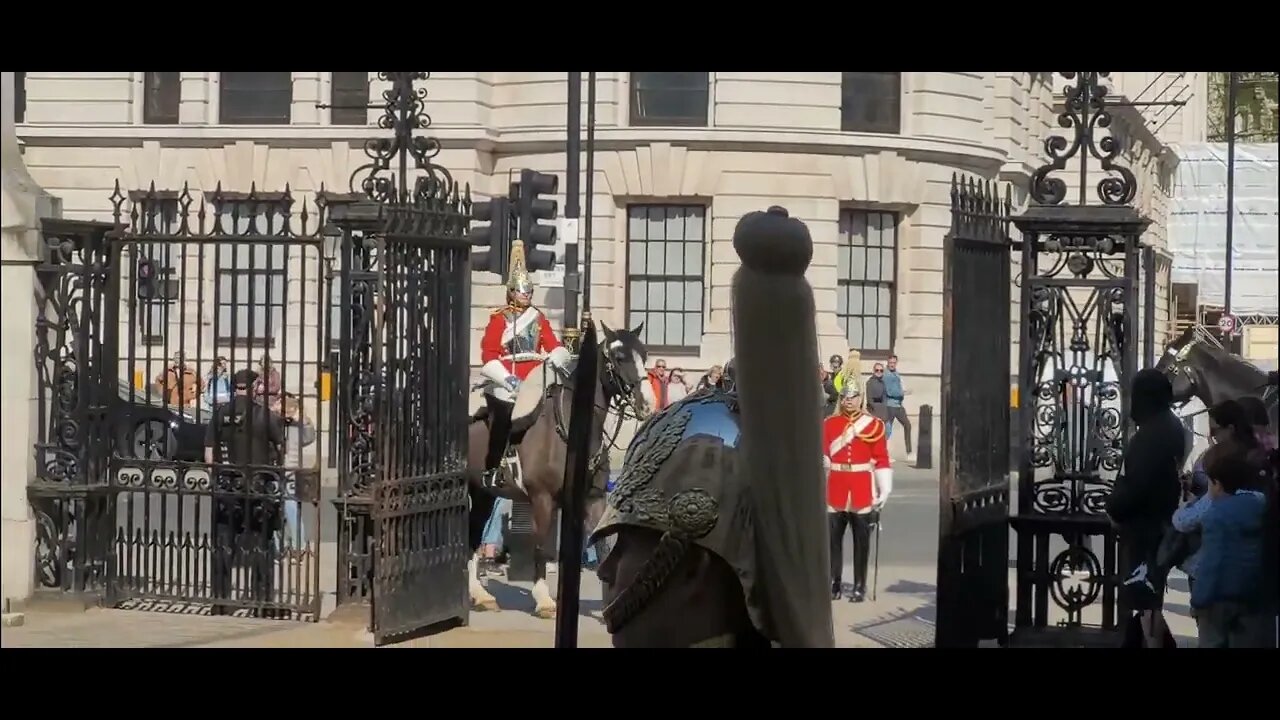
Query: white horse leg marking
[[543, 602], [480, 598]]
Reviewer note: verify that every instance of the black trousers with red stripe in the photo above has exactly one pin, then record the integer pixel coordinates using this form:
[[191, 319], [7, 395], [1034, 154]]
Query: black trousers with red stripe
[[861, 525]]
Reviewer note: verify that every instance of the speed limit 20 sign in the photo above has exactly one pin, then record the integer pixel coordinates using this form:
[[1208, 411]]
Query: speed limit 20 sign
[[1228, 324]]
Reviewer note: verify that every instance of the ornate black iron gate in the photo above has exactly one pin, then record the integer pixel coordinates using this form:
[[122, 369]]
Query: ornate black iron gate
[[1078, 350], [1079, 344], [973, 535], [143, 325], [404, 363]]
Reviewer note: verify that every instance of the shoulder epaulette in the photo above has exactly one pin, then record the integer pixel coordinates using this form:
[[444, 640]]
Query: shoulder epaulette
[[498, 311], [873, 431]]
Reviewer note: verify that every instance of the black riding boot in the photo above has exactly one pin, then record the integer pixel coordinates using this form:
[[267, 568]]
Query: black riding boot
[[861, 552], [499, 433], [837, 522]]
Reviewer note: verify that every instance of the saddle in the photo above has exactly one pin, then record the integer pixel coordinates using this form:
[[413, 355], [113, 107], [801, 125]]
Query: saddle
[[519, 426]]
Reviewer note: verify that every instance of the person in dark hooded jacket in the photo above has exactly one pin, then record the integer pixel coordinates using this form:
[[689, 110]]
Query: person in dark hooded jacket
[[1148, 489]]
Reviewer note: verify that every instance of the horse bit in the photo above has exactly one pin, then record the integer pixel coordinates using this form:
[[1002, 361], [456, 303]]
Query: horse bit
[[618, 401]]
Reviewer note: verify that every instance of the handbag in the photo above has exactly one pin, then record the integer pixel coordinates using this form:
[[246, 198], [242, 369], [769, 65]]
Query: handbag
[[1175, 548]]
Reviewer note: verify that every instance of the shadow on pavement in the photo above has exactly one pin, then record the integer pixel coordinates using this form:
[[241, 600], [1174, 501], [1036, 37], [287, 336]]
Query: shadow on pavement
[[908, 587], [520, 599]]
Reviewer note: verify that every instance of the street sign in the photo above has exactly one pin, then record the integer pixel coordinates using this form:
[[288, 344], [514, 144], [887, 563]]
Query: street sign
[[1228, 324]]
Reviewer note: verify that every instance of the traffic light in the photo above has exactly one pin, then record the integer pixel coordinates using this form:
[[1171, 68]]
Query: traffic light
[[145, 280], [532, 209], [494, 237]]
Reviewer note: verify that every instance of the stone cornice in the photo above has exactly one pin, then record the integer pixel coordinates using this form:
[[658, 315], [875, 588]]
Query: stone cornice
[[523, 141]]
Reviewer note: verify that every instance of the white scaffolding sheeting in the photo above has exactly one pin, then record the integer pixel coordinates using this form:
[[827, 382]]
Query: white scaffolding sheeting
[[1197, 225]]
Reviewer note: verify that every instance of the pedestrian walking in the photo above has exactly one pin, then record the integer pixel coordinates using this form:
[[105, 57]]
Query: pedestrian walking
[[894, 410]]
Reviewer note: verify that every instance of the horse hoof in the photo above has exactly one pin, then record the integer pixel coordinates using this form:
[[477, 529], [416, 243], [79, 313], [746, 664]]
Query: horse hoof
[[547, 613], [490, 605]]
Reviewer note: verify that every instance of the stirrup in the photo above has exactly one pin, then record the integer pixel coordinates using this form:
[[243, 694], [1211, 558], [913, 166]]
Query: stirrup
[[492, 478]]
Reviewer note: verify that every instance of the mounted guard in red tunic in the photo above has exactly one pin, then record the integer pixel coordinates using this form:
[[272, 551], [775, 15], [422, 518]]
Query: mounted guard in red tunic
[[517, 340]]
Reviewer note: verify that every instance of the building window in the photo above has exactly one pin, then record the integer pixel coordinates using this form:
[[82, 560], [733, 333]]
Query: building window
[[255, 98], [669, 99], [871, 102], [349, 98], [665, 259], [161, 95], [19, 97], [251, 294], [866, 267]]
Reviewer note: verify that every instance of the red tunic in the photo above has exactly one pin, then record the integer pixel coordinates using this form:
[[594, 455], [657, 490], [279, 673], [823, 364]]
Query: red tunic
[[517, 340], [858, 452]]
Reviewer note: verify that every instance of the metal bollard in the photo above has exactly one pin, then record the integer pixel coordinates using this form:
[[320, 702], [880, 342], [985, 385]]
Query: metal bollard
[[924, 438]]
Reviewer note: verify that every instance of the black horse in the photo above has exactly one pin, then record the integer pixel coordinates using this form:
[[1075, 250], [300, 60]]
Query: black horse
[[1199, 367]]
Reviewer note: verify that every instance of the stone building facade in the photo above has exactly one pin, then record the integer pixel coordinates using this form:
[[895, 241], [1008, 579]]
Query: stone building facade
[[865, 159]]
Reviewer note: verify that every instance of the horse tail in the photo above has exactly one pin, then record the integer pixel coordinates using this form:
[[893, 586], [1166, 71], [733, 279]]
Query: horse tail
[[775, 356]]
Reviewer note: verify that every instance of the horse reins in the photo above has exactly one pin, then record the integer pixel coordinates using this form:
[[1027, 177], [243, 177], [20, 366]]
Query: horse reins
[[618, 402], [1268, 390]]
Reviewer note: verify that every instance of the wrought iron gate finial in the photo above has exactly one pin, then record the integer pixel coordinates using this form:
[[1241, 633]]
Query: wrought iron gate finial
[[1085, 110], [403, 114]]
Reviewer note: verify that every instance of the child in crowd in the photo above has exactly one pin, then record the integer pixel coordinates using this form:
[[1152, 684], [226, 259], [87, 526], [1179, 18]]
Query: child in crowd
[[1228, 595]]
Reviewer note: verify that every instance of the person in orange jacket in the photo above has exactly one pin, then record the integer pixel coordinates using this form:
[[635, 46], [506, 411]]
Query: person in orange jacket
[[859, 480]]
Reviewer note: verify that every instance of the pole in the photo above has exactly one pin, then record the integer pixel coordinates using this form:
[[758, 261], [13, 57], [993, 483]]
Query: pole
[[1230, 126], [573, 511], [875, 579], [572, 205], [591, 183], [1148, 305]]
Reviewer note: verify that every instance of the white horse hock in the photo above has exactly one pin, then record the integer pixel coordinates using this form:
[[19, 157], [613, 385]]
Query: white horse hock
[[544, 604], [480, 598]]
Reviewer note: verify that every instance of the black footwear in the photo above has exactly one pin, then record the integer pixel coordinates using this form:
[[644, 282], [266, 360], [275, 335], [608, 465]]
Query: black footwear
[[859, 594], [836, 590], [492, 478]]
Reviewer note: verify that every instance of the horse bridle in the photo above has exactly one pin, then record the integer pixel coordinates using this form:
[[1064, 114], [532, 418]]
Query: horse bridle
[[619, 403], [1179, 367]]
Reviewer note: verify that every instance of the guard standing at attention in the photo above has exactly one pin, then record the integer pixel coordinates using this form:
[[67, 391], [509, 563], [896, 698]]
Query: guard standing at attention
[[859, 480]]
